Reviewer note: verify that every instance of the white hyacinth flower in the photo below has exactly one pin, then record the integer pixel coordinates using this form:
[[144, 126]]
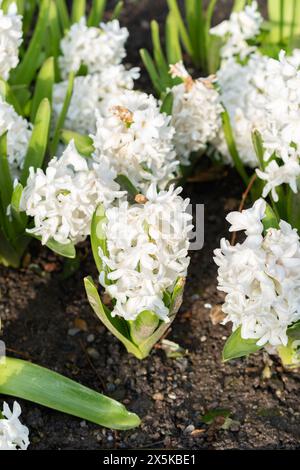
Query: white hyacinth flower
[[94, 48], [238, 30], [90, 93], [261, 277], [240, 92], [18, 136], [13, 434], [62, 199], [137, 139], [195, 114], [10, 39], [147, 246]]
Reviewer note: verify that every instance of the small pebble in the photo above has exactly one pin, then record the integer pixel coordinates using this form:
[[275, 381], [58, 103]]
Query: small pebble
[[158, 396], [190, 428], [93, 353], [172, 396], [73, 331], [203, 339], [207, 306], [90, 338]]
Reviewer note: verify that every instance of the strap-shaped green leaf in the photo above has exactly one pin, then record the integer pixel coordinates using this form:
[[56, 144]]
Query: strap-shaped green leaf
[[39, 140], [7, 93], [63, 114], [44, 86], [232, 147], [174, 53], [236, 346], [96, 13], [98, 237], [6, 185], [26, 70], [126, 185], [40, 385], [63, 14], [174, 9], [83, 143], [159, 57], [78, 10], [167, 104], [270, 219], [117, 10], [151, 69]]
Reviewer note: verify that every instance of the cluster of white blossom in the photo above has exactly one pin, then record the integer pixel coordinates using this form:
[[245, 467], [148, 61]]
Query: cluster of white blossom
[[101, 51], [241, 94], [241, 27], [195, 114], [10, 39], [147, 246], [261, 277], [13, 434], [281, 133], [137, 139], [18, 136], [62, 199], [90, 93], [94, 48]]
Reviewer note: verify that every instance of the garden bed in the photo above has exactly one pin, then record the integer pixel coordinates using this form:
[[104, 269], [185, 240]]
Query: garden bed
[[253, 403]]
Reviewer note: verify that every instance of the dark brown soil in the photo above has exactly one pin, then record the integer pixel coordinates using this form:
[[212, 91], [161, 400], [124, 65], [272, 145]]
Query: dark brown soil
[[172, 396]]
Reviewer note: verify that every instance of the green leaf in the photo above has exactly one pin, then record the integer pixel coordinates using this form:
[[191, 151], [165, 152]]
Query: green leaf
[[270, 219], [96, 13], [236, 346], [126, 185], [159, 57], [55, 34], [68, 250], [239, 5], [83, 143], [117, 326], [174, 53], [143, 326], [78, 10], [39, 140], [6, 185], [117, 10], [19, 218], [63, 114], [293, 331], [98, 236], [7, 93], [258, 147], [151, 69], [34, 383], [63, 14], [174, 9], [44, 86], [232, 147], [167, 104], [25, 72]]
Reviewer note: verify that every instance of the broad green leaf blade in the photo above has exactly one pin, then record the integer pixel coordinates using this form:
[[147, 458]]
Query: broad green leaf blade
[[78, 10], [83, 143], [63, 114], [25, 72], [68, 250], [44, 86], [63, 14], [151, 69], [55, 33], [98, 237], [117, 326], [167, 104], [6, 185], [40, 385], [174, 9], [239, 5], [117, 10], [19, 219], [236, 346], [96, 14], [270, 219], [39, 140], [293, 331], [232, 147]]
